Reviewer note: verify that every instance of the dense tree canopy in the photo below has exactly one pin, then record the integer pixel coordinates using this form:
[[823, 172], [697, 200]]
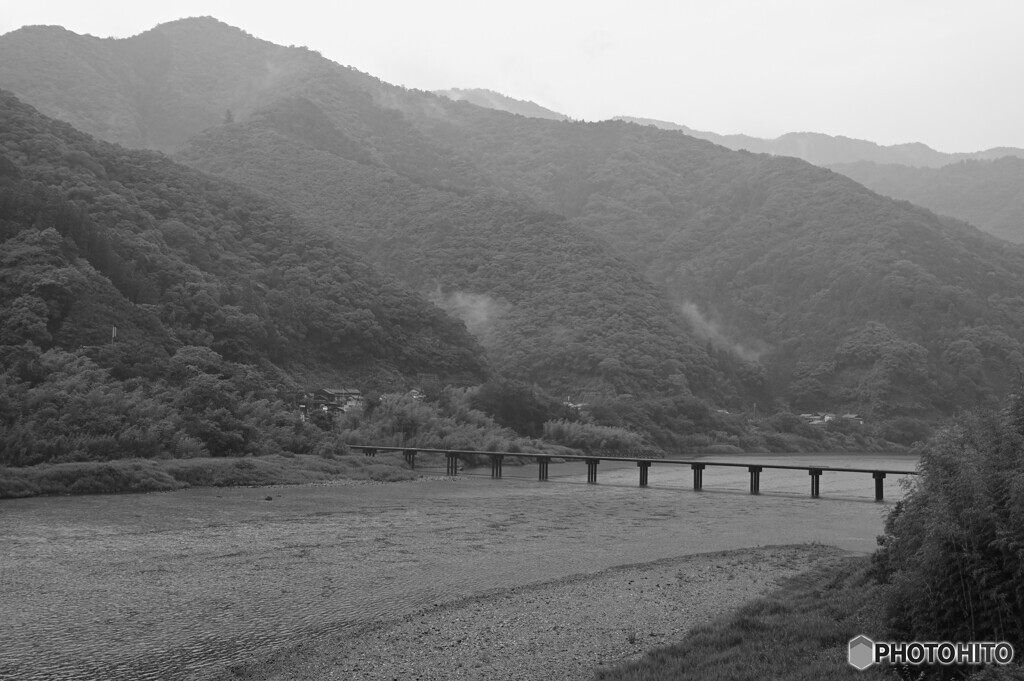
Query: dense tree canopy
[[607, 258], [773, 258], [150, 310], [548, 301]]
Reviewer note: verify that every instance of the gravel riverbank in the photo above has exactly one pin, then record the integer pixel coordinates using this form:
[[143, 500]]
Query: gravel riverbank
[[565, 629], [208, 582]]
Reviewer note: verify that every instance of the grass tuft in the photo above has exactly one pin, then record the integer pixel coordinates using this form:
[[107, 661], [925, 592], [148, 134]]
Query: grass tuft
[[151, 475]]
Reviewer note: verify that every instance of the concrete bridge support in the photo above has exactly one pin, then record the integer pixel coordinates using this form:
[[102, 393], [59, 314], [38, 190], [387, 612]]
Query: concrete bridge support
[[879, 476], [755, 479], [698, 475], [644, 467]]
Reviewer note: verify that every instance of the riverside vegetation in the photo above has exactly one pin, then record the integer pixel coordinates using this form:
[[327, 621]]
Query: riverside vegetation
[[950, 567]]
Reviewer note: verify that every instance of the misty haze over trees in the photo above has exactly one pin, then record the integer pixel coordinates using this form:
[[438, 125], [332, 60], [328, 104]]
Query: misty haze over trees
[[334, 227], [198, 227]]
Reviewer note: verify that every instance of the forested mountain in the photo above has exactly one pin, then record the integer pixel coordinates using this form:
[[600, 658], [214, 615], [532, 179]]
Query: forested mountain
[[984, 188], [156, 89], [592, 255], [843, 296], [827, 150], [548, 301], [495, 100], [551, 307], [136, 290], [987, 194]]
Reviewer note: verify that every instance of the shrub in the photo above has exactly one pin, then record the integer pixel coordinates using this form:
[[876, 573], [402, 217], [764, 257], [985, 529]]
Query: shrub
[[954, 549], [403, 420], [906, 431], [87, 478], [13, 486], [518, 406]]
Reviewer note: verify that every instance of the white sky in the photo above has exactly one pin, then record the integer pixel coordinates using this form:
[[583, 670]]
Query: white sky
[[946, 73]]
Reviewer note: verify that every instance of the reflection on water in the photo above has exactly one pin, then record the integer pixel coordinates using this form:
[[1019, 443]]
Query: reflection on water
[[180, 585]]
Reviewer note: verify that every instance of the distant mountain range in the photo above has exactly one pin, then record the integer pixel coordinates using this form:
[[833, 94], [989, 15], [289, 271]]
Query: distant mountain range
[[827, 150], [607, 258], [983, 188], [989, 194]]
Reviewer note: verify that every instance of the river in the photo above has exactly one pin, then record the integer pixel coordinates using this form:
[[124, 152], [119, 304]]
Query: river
[[182, 585]]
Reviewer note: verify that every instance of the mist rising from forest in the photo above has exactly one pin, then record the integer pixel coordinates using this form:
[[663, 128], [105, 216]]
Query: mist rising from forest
[[712, 331], [478, 311]]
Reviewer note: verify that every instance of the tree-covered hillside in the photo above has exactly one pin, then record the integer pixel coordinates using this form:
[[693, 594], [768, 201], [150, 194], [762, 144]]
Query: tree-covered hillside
[[850, 300], [156, 89], [592, 255], [219, 299], [987, 194], [548, 301]]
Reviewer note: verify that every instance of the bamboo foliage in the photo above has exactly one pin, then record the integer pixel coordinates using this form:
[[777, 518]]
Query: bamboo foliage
[[954, 548]]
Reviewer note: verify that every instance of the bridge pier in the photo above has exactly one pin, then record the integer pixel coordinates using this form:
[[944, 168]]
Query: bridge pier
[[755, 479], [592, 470], [496, 466], [815, 474], [879, 476], [643, 466], [452, 464], [369, 451], [410, 458], [542, 467], [698, 475]]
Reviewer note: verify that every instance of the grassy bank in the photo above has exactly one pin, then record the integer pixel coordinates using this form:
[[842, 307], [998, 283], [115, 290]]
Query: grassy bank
[[156, 475], [798, 633]]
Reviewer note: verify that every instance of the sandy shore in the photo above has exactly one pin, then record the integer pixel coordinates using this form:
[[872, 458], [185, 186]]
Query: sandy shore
[[564, 629]]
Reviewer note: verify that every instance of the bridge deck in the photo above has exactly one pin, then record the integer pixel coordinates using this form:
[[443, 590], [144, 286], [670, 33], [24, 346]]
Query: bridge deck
[[452, 457]]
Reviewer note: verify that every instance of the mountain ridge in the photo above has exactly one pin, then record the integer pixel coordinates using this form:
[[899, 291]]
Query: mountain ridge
[[495, 100], [986, 193], [826, 150], [836, 295]]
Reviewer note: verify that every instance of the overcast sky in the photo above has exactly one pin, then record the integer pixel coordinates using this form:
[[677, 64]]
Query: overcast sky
[[949, 74]]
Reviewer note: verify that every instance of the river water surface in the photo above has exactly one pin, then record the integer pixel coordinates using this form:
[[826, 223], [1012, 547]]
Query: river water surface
[[183, 585]]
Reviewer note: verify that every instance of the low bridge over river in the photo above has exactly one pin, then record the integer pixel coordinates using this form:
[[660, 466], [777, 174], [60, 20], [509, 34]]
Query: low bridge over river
[[453, 456]]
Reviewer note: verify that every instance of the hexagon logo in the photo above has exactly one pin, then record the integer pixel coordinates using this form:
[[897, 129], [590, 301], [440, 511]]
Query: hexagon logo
[[862, 651]]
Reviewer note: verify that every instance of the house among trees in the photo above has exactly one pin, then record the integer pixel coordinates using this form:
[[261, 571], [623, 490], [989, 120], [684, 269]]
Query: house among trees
[[335, 399], [325, 399]]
